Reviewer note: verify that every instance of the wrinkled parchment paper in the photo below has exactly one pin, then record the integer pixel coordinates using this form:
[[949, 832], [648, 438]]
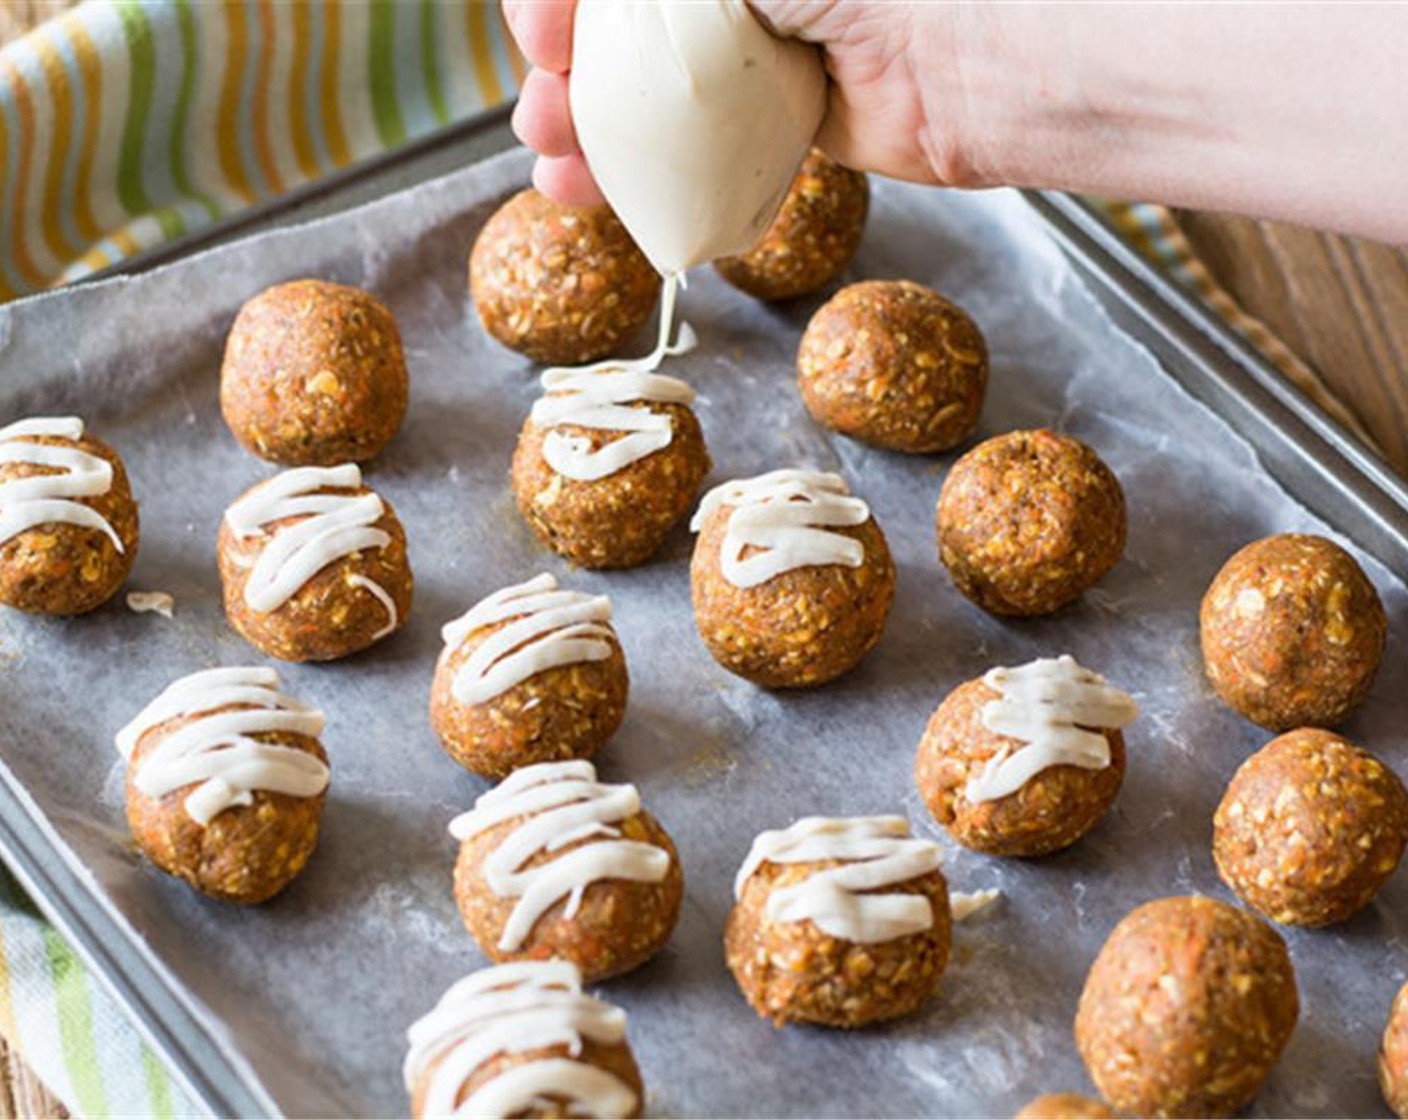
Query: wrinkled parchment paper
[[316, 989]]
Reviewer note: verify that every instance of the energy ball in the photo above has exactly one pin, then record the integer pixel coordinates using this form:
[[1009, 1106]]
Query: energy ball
[[1065, 1106], [1393, 1056], [522, 1040], [313, 565], [226, 781], [1026, 761], [314, 375], [791, 578], [1310, 828], [527, 889], [1186, 1009], [1029, 521], [839, 922], [608, 497], [813, 237], [68, 522], [894, 364], [530, 674], [561, 284], [1292, 632]]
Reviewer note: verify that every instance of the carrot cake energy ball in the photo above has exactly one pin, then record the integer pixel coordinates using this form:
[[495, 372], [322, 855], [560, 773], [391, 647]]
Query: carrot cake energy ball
[[1292, 632], [562, 284], [791, 578], [68, 522], [530, 674], [314, 374], [1029, 521], [226, 782], [894, 364], [1025, 761], [813, 237], [554, 863], [522, 1040], [1393, 1056], [314, 565], [840, 922], [1065, 1106], [1186, 1009], [1310, 828]]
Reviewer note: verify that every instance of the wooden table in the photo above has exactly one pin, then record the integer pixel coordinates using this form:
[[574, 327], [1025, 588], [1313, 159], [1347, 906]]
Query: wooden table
[[1340, 303]]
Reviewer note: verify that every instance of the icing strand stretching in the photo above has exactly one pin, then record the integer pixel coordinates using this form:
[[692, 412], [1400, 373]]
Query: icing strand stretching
[[596, 396], [47, 498], [785, 517], [217, 750], [550, 628], [1056, 710], [511, 1009], [330, 527], [563, 803], [877, 852]]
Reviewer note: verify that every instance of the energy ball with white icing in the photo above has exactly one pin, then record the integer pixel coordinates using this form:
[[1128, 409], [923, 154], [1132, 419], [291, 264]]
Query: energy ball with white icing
[[313, 565], [1025, 761], [522, 1040], [554, 863], [226, 781], [68, 523], [792, 579], [533, 673], [840, 922]]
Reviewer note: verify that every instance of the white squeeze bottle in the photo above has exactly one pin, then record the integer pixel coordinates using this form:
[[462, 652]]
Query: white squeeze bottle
[[693, 119]]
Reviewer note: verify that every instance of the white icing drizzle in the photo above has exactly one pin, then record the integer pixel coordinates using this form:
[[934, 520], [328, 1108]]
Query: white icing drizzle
[[877, 852], [785, 516], [330, 526], [145, 602], [218, 750], [550, 628], [1050, 706], [595, 396], [512, 1009], [563, 803], [964, 904], [43, 499]]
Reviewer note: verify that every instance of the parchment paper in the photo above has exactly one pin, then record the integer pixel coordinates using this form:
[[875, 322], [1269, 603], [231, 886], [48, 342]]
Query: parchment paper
[[317, 988]]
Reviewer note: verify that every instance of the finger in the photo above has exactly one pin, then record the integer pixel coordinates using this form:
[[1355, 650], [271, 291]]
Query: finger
[[542, 118], [543, 29], [567, 180]]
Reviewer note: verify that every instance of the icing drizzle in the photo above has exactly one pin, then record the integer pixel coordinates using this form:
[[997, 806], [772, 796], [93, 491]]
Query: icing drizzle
[[563, 803], [551, 628], [785, 517], [876, 852], [41, 499], [1050, 706], [330, 527], [511, 1009], [218, 750]]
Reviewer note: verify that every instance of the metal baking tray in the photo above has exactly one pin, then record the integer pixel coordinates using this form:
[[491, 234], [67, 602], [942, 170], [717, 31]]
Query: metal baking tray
[[1314, 459]]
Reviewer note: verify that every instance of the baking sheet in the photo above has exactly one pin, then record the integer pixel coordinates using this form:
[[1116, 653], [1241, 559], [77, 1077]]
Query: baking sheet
[[315, 990]]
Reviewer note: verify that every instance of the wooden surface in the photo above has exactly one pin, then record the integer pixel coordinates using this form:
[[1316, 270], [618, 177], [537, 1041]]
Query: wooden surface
[[1340, 303]]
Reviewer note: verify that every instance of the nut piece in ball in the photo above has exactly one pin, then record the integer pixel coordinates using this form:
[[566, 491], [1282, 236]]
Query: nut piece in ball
[[1310, 828], [1393, 1056], [68, 523], [554, 863], [1029, 521], [530, 674], [1186, 1009], [1065, 1106], [562, 284], [522, 1040], [313, 565], [791, 578], [226, 781], [813, 237], [1026, 761], [799, 956], [894, 364], [1292, 632], [314, 374]]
